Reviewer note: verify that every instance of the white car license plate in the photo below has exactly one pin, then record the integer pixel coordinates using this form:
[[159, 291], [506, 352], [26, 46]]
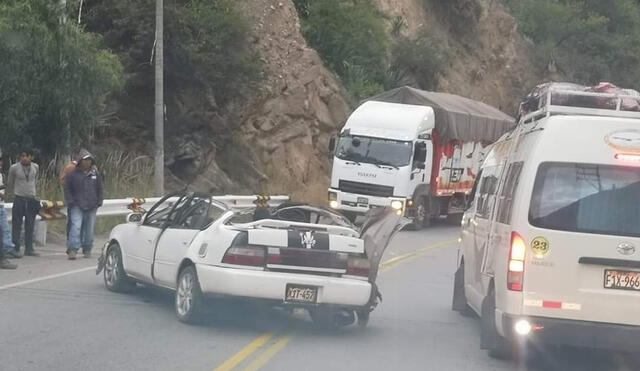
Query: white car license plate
[[301, 294], [621, 280]]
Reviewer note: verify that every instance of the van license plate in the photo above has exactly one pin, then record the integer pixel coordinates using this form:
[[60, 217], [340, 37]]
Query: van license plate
[[621, 280], [363, 200], [301, 294]]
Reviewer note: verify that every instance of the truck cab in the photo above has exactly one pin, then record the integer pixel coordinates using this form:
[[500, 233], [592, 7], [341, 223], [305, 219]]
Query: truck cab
[[380, 158], [414, 150]]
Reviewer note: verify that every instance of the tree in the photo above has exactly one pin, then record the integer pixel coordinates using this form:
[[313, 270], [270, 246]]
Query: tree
[[50, 74]]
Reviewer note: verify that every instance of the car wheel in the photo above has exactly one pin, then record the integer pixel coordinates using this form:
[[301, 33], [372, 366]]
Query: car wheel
[[324, 318], [115, 278], [188, 301], [459, 302], [490, 339]]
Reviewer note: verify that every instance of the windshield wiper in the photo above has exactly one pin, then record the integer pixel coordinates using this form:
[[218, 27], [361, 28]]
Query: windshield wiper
[[382, 163]]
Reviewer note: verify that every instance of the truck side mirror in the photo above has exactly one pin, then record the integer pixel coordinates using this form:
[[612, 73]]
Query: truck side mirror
[[332, 144], [420, 165], [420, 152]]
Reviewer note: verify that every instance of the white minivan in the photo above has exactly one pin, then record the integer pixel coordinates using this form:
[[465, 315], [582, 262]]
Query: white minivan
[[550, 245]]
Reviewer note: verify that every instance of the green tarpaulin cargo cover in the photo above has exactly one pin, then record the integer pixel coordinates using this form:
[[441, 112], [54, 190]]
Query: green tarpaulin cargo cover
[[457, 117]]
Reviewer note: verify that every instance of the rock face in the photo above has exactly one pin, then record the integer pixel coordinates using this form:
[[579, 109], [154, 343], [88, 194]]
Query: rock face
[[277, 141], [491, 63], [301, 104]]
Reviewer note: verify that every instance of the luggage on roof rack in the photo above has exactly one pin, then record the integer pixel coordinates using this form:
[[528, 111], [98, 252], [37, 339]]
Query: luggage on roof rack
[[604, 99]]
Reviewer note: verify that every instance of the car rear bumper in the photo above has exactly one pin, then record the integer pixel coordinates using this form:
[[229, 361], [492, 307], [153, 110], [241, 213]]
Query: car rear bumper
[[586, 334], [272, 285]]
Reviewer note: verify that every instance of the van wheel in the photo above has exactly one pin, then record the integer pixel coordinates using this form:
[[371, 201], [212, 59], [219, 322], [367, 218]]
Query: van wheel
[[189, 298], [363, 317], [490, 339], [459, 302]]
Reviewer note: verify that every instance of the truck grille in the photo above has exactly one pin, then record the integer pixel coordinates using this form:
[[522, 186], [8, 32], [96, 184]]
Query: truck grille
[[365, 188]]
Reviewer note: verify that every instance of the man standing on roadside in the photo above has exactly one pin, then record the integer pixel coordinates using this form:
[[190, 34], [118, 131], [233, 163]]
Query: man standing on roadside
[[4, 262], [63, 176], [7, 243], [22, 184], [5, 236], [83, 194]]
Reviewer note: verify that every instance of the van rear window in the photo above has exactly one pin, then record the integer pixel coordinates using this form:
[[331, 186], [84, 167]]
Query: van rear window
[[587, 198]]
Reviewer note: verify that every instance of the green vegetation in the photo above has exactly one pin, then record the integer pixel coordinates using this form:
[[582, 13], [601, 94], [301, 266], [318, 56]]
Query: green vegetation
[[124, 175], [586, 40], [51, 74], [353, 39], [419, 61], [462, 15], [350, 36], [207, 46]]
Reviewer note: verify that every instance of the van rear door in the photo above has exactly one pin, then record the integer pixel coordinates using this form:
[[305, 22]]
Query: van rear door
[[583, 256]]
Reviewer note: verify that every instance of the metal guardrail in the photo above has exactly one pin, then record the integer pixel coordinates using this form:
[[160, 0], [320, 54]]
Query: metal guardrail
[[123, 206]]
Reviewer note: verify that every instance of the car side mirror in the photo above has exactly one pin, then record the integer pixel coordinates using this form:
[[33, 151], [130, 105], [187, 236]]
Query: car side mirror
[[419, 165], [134, 218]]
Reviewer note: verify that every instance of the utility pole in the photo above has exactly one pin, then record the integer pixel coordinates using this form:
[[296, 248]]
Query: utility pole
[[159, 103], [64, 114]]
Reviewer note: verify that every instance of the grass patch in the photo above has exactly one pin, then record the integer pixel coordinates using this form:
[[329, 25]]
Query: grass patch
[[124, 175]]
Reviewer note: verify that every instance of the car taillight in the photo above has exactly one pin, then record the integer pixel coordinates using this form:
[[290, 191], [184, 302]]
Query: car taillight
[[245, 255], [358, 267], [515, 272]]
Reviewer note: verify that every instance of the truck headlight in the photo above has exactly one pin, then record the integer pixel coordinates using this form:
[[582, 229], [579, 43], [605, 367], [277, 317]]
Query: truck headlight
[[397, 204], [333, 204], [333, 196]]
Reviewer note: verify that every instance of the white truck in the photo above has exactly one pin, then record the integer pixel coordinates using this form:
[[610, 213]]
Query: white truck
[[416, 151]]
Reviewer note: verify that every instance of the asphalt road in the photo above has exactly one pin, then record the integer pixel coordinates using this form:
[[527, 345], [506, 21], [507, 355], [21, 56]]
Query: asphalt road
[[56, 315]]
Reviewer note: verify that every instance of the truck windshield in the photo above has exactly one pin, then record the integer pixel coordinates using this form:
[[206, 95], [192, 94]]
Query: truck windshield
[[587, 198], [374, 150]]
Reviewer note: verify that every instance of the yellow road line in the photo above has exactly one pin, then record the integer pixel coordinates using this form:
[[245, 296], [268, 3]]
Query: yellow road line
[[282, 341], [237, 358], [266, 356], [400, 258]]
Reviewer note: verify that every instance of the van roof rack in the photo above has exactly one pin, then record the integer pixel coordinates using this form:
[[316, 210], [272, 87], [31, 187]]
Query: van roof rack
[[554, 101]]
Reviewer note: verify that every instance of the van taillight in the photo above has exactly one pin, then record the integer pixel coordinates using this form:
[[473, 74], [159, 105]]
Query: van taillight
[[515, 270], [245, 255], [358, 267]]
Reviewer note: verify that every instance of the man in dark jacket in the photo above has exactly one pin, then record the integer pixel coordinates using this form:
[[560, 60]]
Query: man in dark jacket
[[83, 193]]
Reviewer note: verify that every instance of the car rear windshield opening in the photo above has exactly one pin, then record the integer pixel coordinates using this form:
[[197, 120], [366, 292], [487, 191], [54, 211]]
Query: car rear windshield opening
[[587, 198]]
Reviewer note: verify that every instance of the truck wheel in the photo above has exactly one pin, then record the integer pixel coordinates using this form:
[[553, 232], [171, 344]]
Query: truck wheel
[[189, 299], [459, 302], [421, 218], [490, 339]]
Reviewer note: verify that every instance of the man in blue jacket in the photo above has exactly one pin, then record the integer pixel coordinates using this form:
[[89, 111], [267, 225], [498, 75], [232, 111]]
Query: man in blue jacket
[[83, 193]]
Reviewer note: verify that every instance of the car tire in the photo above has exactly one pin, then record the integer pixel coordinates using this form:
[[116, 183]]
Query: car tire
[[188, 300], [459, 302], [496, 346], [115, 278], [324, 318]]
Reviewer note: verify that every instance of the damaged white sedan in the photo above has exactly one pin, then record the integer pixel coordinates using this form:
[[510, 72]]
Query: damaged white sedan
[[292, 256]]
